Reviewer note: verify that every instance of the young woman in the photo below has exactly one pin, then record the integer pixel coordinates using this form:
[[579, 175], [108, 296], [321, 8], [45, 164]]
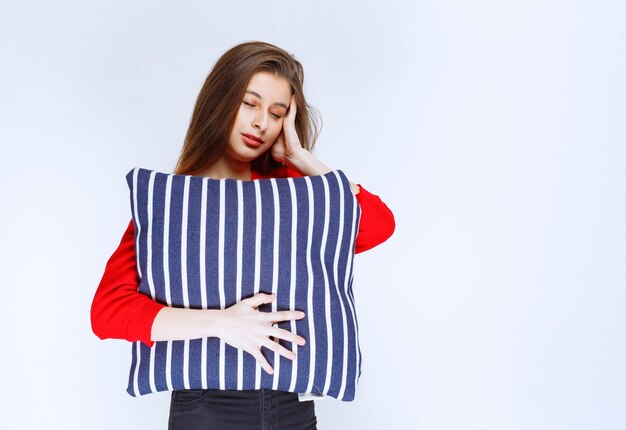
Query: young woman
[[250, 121]]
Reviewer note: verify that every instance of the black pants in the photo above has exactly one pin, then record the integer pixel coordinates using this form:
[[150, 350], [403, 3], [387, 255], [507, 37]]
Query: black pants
[[240, 410]]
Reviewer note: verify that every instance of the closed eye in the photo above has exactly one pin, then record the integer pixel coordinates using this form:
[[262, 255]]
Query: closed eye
[[273, 114]]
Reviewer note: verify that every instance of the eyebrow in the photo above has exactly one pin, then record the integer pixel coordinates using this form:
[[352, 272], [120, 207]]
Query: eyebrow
[[254, 93]]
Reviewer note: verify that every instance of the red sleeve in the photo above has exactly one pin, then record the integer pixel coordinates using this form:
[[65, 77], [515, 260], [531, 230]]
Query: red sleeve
[[377, 221], [118, 310]]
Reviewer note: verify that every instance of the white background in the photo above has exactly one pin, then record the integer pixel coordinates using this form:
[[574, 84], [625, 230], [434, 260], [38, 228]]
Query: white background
[[494, 130]]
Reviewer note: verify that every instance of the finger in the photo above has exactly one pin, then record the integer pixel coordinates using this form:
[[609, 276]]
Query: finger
[[259, 299], [262, 361], [284, 316], [275, 346], [292, 105], [287, 335]]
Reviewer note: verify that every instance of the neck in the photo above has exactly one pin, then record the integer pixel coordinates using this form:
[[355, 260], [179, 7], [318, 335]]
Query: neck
[[227, 167]]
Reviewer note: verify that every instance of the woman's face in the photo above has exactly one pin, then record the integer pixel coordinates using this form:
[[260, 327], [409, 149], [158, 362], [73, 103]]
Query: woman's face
[[260, 117]]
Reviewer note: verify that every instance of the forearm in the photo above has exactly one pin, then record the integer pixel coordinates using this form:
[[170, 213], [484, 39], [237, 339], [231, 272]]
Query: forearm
[[309, 165], [180, 324]]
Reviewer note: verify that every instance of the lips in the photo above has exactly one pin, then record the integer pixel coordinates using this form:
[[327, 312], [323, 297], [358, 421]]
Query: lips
[[253, 137]]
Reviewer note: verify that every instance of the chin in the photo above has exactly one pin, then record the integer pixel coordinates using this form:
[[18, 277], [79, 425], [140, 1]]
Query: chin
[[246, 155]]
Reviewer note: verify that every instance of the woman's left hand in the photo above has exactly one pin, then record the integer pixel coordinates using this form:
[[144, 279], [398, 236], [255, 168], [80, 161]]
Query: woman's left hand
[[287, 148]]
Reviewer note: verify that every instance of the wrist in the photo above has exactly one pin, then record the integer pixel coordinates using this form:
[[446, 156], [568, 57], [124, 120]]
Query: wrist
[[213, 321]]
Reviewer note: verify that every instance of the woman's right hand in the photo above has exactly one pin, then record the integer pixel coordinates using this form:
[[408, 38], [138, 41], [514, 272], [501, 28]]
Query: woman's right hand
[[243, 326]]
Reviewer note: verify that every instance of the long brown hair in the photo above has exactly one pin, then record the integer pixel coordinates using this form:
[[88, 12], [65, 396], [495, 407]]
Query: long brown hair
[[221, 95]]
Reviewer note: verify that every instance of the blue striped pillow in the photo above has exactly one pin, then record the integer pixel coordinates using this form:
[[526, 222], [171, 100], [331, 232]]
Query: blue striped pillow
[[205, 243]]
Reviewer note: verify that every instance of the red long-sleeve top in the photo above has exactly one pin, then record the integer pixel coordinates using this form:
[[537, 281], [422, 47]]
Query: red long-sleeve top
[[120, 311]]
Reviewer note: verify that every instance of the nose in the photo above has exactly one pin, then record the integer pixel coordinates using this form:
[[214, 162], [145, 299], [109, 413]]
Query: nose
[[260, 121]]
